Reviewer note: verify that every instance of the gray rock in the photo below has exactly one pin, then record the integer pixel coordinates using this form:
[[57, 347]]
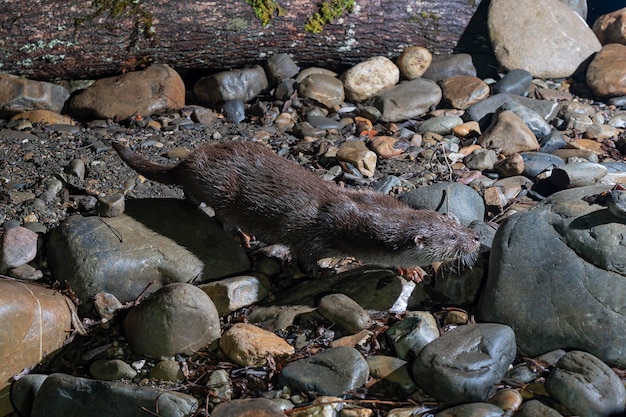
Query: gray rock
[[241, 84], [456, 199], [248, 407], [18, 94], [565, 263], [550, 44], [441, 125], [376, 289], [280, 67], [111, 205], [111, 369], [482, 111], [407, 100], [481, 159], [23, 392], [63, 395], [233, 293], [331, 372], [616, 202], [167, 371], [122, 255], [465, 363], [160, 325], [515, 82], [446, 66], [323, 88], [19, 246], [526, 372], [532, 119], [537, 162], [345, 312], [577, 174], [234, 110], [472, 410], [535, 408], [409, 336], [586, 386], [550, 143], [323, 122]]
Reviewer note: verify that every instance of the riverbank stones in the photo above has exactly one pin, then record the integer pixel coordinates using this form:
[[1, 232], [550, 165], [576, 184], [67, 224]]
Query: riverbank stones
[[241, 84]]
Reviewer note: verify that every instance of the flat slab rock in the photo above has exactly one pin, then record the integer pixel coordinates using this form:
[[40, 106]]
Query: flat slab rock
[[557, 277], [158, 240]]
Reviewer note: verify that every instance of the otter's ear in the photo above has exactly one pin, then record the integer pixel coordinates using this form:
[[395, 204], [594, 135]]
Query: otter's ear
[[420, 241]]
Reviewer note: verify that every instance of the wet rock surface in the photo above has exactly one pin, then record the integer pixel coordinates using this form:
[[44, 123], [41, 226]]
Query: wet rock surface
[[170, 298]]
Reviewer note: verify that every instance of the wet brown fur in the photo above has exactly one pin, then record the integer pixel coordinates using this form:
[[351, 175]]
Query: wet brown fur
[[278, 201]]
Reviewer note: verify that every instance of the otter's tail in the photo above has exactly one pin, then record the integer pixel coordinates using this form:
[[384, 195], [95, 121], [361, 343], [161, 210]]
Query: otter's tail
[[155, 172]]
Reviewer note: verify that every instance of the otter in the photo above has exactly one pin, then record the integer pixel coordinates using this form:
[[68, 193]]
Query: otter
[[281, 202]]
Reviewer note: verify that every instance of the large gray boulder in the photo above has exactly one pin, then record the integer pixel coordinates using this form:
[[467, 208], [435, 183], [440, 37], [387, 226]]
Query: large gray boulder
[[544, 37], [557, 276]]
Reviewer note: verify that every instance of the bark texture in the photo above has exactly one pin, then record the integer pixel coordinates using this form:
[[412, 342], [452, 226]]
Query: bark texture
[[74, 39]]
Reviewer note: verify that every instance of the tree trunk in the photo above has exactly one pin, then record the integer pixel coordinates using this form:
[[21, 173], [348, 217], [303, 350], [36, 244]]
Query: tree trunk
[[77, 39]]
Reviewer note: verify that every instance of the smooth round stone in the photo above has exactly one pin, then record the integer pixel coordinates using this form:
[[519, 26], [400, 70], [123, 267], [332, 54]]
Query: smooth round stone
[[356, 153], [234, 110], [456, 199], [442, 125], [524, 44], [446, 66], [537, 162], [407, 100], [241, 84], [551, 142], [586, 386], [606, 75], [509, 134], [510, 166], [323, 88], [167, 371], [514, 82], [19, 246], [618, 120], [577, 174], [409, 336], [249, 345], [367, 78], [77, 168], [23, 392], [148, 332], [414, 61], [345, 312], [280, 67], [111, 369], [392, 370], [323, 122], [465, 363], [481, 159], [331, 372], [462, 91]]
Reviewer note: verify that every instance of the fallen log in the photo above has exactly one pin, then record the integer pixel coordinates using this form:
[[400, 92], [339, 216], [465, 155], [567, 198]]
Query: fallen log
[[75, 39]]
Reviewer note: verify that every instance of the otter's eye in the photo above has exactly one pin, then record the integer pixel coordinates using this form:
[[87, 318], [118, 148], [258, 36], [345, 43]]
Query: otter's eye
[[453, 237]]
